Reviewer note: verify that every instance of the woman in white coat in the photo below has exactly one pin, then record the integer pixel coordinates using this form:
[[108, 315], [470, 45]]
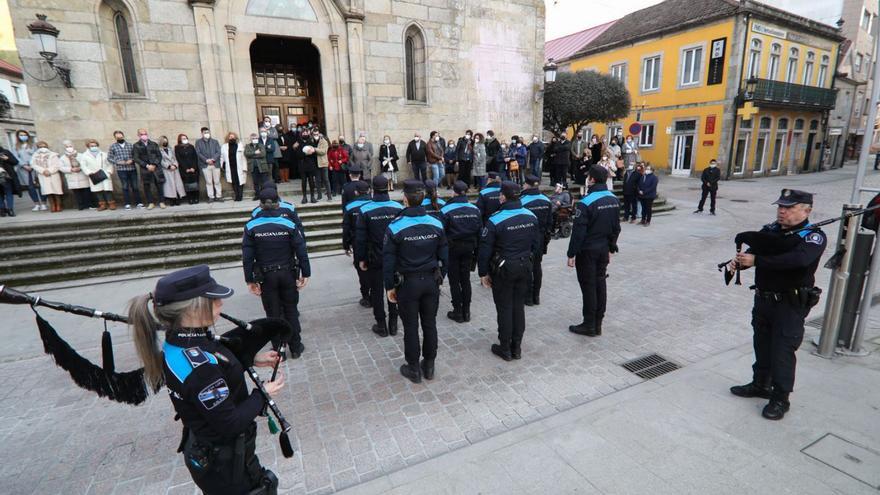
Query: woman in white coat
[[95, 165], [173, 188], [47, 165], [77, 181], [234, 164]]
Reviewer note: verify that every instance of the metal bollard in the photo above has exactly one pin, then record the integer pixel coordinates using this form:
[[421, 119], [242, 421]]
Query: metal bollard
[[839, 277], [855, 347]]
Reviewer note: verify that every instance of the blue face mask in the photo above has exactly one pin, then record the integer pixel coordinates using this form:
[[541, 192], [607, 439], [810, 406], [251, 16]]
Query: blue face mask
[[23, 138]]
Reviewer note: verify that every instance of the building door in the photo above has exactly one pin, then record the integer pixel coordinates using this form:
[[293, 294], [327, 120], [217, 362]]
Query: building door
[[795, 151], [683, 154], [809, 151], [287, 81]]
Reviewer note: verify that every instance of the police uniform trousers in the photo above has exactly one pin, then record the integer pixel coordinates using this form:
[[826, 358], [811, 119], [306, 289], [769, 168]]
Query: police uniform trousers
[[592, 269], [778, 332], [461, 258], [510, 285], [280, 299], [537, 277], [418, 298], [363, 281], [377, 295], [233, 468]]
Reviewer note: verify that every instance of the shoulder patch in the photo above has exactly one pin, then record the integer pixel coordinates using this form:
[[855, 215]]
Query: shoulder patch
[[215, 393], [198, 357], [815, 238]]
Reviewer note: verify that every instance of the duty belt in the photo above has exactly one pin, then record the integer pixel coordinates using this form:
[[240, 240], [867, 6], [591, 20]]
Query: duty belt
[[791, 294], [275, 268]]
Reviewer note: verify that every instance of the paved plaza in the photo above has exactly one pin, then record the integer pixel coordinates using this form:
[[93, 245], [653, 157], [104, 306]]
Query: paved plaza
[[357, 421]]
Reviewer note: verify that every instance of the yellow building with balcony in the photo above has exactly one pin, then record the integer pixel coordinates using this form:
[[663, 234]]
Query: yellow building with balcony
[[741, 82]]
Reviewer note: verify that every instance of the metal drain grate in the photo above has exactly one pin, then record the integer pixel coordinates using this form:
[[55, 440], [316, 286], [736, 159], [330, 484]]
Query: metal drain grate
[[650, 366], [739, 201], [816, 322]]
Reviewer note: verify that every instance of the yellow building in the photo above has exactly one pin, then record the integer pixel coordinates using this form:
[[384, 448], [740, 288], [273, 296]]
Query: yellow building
[[741, 82]]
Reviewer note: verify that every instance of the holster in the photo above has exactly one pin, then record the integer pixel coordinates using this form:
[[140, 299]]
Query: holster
[[258, 275], [810, 296], [398, 280], [495, 263]]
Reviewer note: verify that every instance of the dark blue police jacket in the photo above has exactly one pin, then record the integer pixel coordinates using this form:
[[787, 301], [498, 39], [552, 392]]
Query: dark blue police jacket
[[533, 200], [596, 222], [288, 210], [414, 243], [349, 220], [512, 231], [271, 239], [489, 200], [461, 219], [371, 223]]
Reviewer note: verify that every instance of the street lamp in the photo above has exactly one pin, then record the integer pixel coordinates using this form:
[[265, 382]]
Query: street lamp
[[47, 35], [550, 71], [751, 85]]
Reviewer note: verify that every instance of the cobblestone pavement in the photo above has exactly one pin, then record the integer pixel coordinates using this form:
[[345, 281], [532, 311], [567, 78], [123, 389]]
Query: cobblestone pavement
[[355, 418]]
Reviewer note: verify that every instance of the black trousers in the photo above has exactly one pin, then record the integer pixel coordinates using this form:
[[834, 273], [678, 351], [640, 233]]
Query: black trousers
[[509, 288], [461, 256], [536, 278], [560, 174], [363, 281], [464, 171], [149, 180], [280, 300], [711, 193], [591, 269], [629, 207], [647, 206], [83, 198], [418, 298], [377, 295], [420, 171], [233, 468], [778, 332], [308, 179]]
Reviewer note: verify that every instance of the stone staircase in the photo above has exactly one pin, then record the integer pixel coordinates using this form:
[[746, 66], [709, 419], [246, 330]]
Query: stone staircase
[[116, 243]]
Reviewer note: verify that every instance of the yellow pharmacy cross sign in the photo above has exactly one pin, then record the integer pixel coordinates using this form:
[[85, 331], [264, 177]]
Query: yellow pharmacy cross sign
[[747, 111]]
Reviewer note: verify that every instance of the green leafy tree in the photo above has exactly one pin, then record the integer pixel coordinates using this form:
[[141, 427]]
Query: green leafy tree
[[577, 99]]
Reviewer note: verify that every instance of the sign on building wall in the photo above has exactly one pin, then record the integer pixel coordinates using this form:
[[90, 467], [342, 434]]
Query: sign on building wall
[[710, 125], [716, 61]]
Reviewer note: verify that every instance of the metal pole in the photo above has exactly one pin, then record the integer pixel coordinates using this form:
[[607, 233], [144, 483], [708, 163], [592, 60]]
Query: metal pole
[[840, 276], [869, 127], [865, 306]]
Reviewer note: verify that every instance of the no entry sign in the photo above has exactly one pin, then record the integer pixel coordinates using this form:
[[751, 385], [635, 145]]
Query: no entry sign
[[635, 128]]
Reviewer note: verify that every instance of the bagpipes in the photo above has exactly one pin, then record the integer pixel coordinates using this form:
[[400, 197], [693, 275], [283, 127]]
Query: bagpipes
[[769, 243], [127, 387]]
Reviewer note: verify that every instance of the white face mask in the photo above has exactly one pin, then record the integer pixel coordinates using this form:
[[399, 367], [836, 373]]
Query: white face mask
[[207, 135], [649, 172], [42, 149], [387, 142], [713, 165], [467, 136], [93, 149], [255, 141], [437, 139], [69, 149], [184, 141], [360, 145], [263, 134]]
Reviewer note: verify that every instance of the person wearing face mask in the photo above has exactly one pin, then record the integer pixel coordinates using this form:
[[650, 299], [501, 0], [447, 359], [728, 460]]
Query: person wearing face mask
[[24, 149], [309, 167], [562, 160], [465, 151], [279, 153], [285, 147], [270, 146], [9, 185], [77, 181], [362, 155], [709, 178], [188, 161], [145, 153], [255, 153], [338, 157], [234, 164], [208, 151], [450, 162], [97, 167], [435, 158], [536, 157], [631, 179], [595, 149], [348, 150], [47, 165], [607, 162], [492, 148], [577, 146], [630, 153], [388, 161], [321, 146], [479, 171], [417, 157], [173, 188], [647, 194]]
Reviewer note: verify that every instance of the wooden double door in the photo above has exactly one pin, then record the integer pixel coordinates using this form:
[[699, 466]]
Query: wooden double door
[[288, 94]]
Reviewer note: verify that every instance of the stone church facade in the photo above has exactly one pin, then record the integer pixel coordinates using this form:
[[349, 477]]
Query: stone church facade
[[380, 66]]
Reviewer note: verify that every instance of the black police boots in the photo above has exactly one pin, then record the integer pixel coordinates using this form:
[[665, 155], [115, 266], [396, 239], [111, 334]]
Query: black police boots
[[466, 312], [427, 369], [583, 329], [380, 329], [536, 299], [456, 315], [365, 302], [392, 326], [297, 352], [515, 350], [412, 373], [501, 352], [751, 389], [305, 200], [776, 409]]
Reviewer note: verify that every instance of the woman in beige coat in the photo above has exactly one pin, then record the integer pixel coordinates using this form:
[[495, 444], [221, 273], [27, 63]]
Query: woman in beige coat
[[173, 188], [77, 181], [92, 161], [47, 166]]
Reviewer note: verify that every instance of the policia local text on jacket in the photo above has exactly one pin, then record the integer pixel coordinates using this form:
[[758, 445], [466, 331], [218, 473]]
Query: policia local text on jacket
[[274, 255], [414, 264], [508, 244], [593, 237]]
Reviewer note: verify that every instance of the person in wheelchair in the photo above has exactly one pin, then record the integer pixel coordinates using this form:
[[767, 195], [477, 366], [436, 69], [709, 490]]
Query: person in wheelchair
[[562, 212]]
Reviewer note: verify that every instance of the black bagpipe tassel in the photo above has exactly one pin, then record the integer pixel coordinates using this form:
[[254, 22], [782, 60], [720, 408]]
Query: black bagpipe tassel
[[286, 447], [107, 350]]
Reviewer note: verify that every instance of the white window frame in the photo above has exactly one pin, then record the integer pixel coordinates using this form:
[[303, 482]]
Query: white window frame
[[656, 69], [808, 73], [619, 71], [697, 66], [773, 61], [746, 137], [645, 134], [791, 69], [823, 72], [857, 63], [775, 165], [19, 94], [865, 20], [754, 64]]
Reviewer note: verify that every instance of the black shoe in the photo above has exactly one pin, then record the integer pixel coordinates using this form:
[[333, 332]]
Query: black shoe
[[466, 312], [698, 211], [750, 390], [365, 302], [500, 352], [530, 301], [427, 369], [515, 351], [775, 409], [536, 300], [10, 212], [295, 354], [304, 201], [313, 199], [455, 315], [582, 329], [392, 326], [712, 213], [380, 329], [412, 373]]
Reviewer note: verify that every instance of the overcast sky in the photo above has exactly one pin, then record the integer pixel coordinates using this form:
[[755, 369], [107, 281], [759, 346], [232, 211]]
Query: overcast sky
[[570, 16]]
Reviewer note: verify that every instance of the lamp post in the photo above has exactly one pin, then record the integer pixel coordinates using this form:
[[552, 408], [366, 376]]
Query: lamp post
[[550, 72], [47, 35]]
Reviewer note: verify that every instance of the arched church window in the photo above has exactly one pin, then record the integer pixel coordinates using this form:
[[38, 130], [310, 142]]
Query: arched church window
[[126, 53], [414, 60], [119, 43]]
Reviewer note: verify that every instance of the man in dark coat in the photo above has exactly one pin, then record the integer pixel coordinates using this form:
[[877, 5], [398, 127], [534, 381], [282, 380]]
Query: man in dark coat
[[417, 157], [710, 177], [9, 184], [146, 155], [562, 160]]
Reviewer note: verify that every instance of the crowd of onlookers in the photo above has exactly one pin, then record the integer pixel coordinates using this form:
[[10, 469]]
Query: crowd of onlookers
[[157, 171]]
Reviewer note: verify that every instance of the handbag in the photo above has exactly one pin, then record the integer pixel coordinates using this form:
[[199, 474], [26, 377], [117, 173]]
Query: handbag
[[98, 177]]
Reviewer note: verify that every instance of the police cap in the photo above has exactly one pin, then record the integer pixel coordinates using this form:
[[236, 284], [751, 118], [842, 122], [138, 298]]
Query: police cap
[[413, 186], [532, 180], [189, 283], [355, 169], [380, 183], [493, 175], [598, 173], [430, 185], [510, 190], [268, 194], [361, 187], [791, 197], [459, 187]]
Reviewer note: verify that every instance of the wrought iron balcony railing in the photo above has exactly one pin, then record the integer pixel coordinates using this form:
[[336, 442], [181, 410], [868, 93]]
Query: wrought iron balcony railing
[[764, 92]]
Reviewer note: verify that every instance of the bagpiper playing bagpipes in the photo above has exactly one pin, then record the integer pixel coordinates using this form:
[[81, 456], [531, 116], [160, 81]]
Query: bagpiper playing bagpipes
[[203, 371]]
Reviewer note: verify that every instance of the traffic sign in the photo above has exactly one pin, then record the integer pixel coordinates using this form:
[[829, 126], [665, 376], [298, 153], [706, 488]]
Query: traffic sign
[[635, 128]]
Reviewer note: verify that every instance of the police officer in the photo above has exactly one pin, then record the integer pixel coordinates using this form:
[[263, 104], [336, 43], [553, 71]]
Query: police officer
[[508, 243], [593, 238], [432, 203], [415, 253], [205, 379], [368, 241], [462, 222], [349, 188], [286, 210], [784, 294], [487, 201], [349, 226], [533, 200], [276, 264]]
